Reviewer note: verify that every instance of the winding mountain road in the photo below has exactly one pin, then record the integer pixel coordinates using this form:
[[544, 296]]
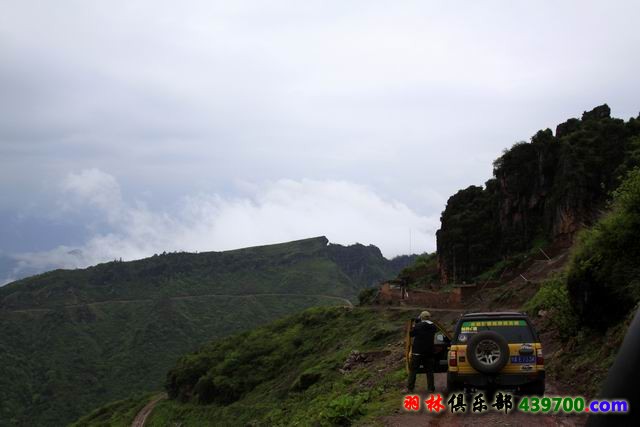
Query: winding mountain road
[[141, 418], [180, 297]]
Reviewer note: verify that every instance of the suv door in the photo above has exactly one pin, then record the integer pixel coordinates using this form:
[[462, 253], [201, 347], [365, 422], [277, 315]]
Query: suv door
[[441, 345]]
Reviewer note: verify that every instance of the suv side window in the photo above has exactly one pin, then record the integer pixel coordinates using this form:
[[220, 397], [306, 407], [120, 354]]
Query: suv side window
[[440, 338]]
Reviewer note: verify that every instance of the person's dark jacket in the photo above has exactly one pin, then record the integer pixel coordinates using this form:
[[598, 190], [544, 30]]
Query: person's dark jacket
[[423, 333]]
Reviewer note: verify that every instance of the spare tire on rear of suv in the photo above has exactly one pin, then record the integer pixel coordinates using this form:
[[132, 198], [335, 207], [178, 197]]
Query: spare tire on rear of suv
[[488, 352]]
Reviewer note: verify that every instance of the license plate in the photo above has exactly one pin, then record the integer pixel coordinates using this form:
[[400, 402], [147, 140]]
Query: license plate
[[523, 359]]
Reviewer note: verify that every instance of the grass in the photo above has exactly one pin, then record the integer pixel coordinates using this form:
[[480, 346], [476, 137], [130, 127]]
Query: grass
[[553, 298], [292, 375], [511, 262], [65, 366], [588, 354], [117, 414]]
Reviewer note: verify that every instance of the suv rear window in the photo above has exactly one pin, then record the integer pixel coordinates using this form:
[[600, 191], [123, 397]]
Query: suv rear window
[[513, 330]]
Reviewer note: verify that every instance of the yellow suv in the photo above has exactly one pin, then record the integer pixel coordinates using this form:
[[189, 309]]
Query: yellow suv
[[496, 350]]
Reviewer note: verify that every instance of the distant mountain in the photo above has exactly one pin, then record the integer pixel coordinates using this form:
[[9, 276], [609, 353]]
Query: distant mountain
[[14, 266], [71, 340]]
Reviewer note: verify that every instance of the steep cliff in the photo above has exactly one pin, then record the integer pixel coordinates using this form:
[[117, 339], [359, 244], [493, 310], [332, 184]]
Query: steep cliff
[[364, 265], [544, 190]]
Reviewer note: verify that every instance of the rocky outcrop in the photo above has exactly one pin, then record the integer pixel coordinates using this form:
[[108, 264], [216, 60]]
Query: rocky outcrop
[[365, 265], [598, 113], [567, 127], [542, 191]]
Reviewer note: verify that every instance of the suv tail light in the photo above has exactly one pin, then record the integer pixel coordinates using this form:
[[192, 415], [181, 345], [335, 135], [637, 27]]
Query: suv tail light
[[539, 357], [453, 358]]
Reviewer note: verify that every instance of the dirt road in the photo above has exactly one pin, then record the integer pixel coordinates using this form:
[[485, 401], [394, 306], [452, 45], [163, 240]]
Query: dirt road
[[183, 297], [144, 413]]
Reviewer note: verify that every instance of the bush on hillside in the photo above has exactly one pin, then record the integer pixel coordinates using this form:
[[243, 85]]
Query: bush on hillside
[[553, 297], [367, 296], [604, 274], [422, 272], [344, 409]]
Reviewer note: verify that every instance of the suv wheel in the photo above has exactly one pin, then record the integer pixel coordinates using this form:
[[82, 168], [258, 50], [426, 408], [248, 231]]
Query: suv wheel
[[488, 352]]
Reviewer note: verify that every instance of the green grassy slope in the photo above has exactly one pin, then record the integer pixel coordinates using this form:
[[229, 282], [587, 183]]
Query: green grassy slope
[[73, 340], [284, 373]]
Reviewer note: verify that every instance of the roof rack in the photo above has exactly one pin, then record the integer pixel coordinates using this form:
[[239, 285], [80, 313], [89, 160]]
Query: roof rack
[[495, 314]]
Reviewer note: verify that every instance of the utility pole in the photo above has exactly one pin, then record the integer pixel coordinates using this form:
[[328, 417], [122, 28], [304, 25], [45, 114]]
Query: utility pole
[[454, 266]]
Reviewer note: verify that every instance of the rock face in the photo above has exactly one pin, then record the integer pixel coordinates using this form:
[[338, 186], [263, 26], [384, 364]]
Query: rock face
[[542, 191], [598, 113]]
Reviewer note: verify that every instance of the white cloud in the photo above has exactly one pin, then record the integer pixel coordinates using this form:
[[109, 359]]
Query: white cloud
[[278, 211], [96, 188]]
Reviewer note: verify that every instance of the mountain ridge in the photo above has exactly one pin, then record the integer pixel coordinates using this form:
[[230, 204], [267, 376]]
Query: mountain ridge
[[75, 339], [171, 265]]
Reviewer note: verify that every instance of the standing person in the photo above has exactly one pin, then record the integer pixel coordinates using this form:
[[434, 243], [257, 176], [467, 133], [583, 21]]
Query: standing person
[[422, 351]]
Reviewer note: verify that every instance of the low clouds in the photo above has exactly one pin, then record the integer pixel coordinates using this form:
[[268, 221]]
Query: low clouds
[[422, 92], [96, 188], [278, 211], [356, 120]]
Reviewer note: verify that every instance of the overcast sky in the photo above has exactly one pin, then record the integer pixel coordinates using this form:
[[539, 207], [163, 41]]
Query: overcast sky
[[129, 128]]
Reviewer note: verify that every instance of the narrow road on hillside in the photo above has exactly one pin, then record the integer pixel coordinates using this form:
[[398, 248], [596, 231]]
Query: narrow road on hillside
[[141, 418], [182, 297]]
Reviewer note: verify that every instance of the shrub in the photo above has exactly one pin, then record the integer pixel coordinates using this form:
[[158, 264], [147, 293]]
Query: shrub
[[553, 296], [367, 296], [218, 389], [343, 410], [603, 276], [306, 380]]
